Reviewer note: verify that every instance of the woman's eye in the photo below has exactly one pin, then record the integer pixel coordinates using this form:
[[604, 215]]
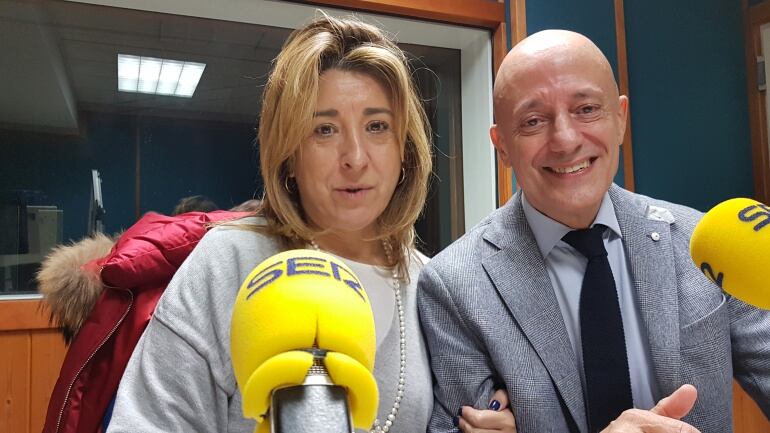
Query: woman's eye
[[377, 126], [324, 130]]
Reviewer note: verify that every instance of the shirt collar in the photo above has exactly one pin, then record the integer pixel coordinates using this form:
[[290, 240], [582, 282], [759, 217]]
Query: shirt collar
[[548, 232]]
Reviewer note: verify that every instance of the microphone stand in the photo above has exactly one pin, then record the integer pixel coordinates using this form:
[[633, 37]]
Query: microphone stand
[[316, 406]]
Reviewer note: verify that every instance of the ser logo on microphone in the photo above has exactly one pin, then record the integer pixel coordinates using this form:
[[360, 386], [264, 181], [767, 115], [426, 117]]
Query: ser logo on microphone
[[705, 267], [762, 211], [302, 266]]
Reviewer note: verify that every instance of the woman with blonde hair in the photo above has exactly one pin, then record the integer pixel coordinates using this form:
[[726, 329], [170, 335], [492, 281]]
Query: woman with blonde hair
[[345, 157]]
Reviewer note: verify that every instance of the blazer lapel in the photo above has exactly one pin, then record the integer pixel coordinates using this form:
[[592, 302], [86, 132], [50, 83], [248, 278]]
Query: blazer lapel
[[518, 273], [654, 275]]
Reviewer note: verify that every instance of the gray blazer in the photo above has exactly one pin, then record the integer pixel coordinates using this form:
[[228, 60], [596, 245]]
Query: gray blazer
[[491, 319]]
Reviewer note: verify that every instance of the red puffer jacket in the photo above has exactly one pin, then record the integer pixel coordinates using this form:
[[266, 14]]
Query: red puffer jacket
[[133, 276]]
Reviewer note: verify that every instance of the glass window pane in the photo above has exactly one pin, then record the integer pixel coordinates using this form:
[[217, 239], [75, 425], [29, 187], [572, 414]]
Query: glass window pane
[[162, 106]]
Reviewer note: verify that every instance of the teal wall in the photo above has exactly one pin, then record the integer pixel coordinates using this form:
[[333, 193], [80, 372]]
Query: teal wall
[[593, 18], [689, 107], [686, 69]]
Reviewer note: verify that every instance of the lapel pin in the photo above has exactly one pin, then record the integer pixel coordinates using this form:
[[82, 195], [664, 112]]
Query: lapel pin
[[655, 236]]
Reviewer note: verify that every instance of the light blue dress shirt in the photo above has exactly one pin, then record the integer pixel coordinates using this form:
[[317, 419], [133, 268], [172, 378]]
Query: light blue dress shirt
[[566, 267]]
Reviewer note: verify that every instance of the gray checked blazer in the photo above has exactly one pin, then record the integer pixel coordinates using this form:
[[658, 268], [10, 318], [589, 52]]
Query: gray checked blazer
[[491, 320]]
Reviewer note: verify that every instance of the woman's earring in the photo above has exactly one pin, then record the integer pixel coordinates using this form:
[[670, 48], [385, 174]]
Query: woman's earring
[[286, 184], [403, 176]]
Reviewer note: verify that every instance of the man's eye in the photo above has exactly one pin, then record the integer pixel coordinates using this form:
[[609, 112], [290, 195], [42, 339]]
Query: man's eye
[[533, 122], [588, 109], [377, 126]]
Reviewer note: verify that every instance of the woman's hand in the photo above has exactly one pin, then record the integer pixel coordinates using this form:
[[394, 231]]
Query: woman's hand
[[498, 418]]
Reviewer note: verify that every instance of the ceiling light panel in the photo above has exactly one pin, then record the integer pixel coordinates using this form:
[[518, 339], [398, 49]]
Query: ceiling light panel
[[152, 75]]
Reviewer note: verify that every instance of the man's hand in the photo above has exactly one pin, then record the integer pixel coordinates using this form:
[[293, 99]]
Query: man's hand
[[663, 418], [498, 418]]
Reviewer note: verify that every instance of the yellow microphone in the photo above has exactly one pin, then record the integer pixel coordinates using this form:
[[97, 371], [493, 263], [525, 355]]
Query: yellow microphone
[[301, 326], [731, 245]]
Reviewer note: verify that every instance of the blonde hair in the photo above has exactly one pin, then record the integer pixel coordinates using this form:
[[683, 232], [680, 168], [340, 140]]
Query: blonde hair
[[286, 121]]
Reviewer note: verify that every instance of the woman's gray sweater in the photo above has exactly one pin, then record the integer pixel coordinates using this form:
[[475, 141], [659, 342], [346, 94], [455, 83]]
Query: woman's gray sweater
[[180, 378]]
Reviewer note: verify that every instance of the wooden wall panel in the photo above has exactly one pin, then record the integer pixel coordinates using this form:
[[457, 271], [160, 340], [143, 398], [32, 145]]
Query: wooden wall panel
[[747, 417], [518, 23], [478, 13], [620, 37], [47, 352], [753, 18], [31, 354], [14, 382], [504, 174], [23, 315]]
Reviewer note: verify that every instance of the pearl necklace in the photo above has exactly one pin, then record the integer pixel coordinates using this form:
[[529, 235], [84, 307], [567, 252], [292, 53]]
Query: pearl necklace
[[377, 428]]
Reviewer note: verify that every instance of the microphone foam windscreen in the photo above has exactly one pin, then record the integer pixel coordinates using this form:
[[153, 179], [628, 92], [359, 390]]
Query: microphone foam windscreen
[[731, 245], [298, 300]]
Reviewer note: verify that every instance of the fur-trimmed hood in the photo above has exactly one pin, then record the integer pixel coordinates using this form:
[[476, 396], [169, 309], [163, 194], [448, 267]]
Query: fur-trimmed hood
[[144, 257], [69, 286]]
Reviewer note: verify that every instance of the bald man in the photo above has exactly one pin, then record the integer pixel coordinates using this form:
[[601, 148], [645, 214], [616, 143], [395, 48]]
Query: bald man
[[578, 297]]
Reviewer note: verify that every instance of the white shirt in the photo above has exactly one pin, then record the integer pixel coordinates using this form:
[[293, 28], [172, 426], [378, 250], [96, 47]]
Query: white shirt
[[377, 283]]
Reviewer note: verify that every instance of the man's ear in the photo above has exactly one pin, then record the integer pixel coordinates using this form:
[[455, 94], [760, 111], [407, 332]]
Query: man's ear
[[499, 142], [622, 115]]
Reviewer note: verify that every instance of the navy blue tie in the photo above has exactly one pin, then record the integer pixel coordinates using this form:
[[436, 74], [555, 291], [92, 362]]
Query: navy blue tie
[[605, 361]]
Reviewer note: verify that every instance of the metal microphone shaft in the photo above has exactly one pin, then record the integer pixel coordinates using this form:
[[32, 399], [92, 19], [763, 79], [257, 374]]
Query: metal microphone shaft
[[316, 406]]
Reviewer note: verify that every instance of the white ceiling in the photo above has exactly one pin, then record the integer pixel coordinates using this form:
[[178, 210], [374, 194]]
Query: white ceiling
[[61, 57]]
